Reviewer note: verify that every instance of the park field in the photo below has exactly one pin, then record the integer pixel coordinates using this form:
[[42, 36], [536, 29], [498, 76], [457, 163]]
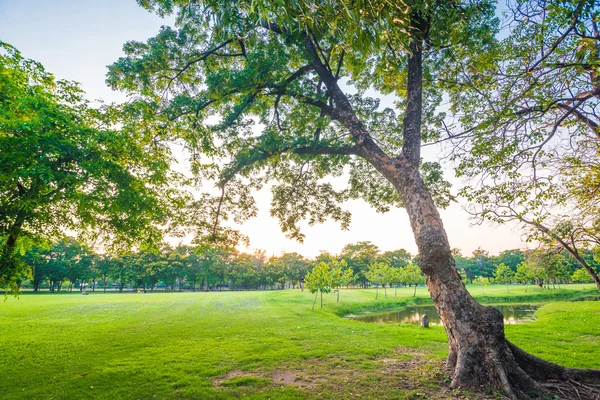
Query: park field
[[262, 345]]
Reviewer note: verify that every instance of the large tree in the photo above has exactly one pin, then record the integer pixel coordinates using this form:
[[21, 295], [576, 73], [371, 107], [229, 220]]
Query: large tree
[[277, 90], [62, 166]]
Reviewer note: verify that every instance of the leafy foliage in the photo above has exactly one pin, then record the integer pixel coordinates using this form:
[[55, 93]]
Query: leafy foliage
[[529, 124], [234, 80], [319, 280], [63, 166]]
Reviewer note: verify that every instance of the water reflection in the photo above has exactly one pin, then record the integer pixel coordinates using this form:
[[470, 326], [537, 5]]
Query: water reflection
[[513, 314]]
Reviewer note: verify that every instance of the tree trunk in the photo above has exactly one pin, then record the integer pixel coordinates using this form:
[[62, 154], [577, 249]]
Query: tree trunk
[[479, 354], [8, 263]]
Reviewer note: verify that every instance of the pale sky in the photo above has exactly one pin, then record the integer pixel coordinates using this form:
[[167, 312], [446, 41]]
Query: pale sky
[[77, 39]]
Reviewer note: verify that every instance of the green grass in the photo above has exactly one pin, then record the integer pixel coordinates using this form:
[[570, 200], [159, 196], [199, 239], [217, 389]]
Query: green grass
[[253, 344]]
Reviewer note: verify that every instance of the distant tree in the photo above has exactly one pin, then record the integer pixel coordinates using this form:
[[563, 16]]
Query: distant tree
[[378, 273], [242, 271], [525, 274], [295, 266], [412, 275], [319, 281], [291, 267], [549, 266], [503, 274], [484, 263], [483, 281], [326, 257], [467, 266], [259, 257], [396, 258], [119, 270], [340, 275], [396, 278], [387, 278], [68, 261], [177, 260], [581, 276], [511, 258], [151, 265], [215, 261], [272, 273], [104, 268], [192, 266], [359, 256]]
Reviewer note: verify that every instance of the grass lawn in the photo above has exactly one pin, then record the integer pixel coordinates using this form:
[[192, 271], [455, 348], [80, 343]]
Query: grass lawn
[[266, 344]]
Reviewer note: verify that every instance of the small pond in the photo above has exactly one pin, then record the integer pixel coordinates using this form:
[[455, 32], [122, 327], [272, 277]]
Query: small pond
[[513, 314]]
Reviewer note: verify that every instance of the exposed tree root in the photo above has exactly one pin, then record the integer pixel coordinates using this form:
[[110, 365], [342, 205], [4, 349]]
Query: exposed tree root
[[482, 358], [573, 390], [566, 383], [544, 371], [519, 375]]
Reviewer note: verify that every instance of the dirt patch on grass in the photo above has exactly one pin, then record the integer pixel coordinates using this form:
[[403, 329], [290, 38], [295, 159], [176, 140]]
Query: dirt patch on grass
[[279, 377], [420, 376], [232, 375], [400, 375], [293, 378], [392, 366]]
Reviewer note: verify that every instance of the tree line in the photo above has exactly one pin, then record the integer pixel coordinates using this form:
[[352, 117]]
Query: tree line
[[544, 266], [69, 264]]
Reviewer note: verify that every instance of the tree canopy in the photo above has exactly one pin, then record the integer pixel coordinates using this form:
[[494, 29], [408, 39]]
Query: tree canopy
[[241, 83], [527, 126], [63, 165]]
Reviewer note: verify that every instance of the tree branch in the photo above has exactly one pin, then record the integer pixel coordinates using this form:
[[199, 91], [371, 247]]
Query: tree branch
[[229, 173]]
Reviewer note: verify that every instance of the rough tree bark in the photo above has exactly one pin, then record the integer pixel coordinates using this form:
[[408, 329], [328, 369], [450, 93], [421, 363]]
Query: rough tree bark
[[479, 354]]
